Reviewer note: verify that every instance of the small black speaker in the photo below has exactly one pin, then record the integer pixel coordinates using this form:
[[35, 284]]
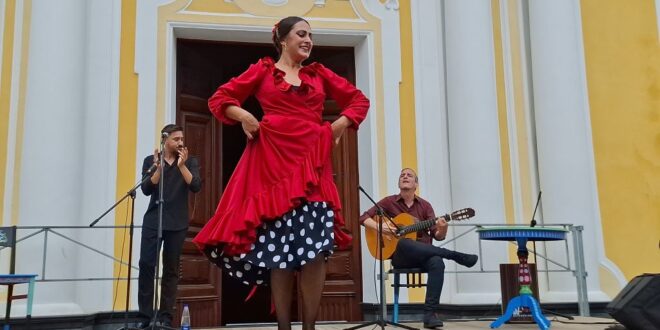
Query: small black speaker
[[637, 306]]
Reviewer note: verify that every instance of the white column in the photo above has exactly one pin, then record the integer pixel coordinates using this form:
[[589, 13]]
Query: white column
[[53, 153], [473, 134], [101, 96], [430, 103], [565, 149], [369, 143]]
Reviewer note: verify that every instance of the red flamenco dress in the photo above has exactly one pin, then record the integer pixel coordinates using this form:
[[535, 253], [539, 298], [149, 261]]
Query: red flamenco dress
[[281, 207]]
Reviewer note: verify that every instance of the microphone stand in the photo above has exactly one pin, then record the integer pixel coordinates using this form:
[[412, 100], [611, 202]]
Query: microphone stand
[[382, 322], [130, 193], [532, 223], [159, 236]]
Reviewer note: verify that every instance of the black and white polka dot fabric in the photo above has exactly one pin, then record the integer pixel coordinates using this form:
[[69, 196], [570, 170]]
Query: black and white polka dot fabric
[[286, 243]]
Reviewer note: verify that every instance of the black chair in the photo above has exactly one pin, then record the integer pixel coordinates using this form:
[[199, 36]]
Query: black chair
[[414, 279], [8, 240]]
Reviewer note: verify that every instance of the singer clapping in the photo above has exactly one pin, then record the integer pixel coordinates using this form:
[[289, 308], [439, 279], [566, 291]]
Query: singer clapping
[[180, 174]]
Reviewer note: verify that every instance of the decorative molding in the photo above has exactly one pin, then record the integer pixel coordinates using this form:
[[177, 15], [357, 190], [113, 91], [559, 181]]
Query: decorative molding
[[317, 3], [278, 8], [275, 2], [392, 4]]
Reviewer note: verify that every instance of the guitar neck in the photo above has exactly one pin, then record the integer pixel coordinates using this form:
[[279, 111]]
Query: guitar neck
[[422, 225]]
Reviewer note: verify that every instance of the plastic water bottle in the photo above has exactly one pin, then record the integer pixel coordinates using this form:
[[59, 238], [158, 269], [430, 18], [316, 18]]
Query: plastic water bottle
[[185, 318]]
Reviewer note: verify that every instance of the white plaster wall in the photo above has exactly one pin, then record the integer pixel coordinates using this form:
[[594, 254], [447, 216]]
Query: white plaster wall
[[565, 150], [53, 149], [368, 139], [103, 28], [69, 152], [431, 116], [145, 68], [474, 141], [367, 157], [391, 73]]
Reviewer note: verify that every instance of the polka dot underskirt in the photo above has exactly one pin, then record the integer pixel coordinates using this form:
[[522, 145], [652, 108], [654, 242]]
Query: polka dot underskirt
[[286, 243]]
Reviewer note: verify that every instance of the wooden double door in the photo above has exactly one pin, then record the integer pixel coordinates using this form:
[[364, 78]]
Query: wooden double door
[[214, 298]]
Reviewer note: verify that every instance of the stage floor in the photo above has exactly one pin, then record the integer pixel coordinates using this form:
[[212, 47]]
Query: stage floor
[[581, 323]]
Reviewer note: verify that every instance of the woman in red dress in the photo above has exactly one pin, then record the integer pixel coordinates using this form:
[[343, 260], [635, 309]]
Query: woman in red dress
[[280, 211]]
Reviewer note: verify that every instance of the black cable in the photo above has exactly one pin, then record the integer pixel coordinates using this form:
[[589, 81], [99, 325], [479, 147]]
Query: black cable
[[121, 263], [499, 301], [468, 320], [565, 322], [479, 318], [375, 282]]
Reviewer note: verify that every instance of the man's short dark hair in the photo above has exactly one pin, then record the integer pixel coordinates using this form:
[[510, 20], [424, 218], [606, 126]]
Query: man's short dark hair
[[171, 128]]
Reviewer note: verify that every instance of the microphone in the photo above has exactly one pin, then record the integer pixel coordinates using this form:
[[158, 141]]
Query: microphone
[[164, 135], [538, 199], [152, 168]]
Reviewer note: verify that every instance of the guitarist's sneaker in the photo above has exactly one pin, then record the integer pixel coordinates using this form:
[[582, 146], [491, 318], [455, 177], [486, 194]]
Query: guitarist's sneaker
[[431, 321], [467, 260]]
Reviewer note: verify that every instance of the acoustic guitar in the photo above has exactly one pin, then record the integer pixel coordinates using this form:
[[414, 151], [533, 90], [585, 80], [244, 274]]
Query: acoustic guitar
[[407, 228]]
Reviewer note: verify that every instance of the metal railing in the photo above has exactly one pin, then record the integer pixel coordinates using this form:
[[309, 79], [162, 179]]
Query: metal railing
[[578, 269], [56, 230]]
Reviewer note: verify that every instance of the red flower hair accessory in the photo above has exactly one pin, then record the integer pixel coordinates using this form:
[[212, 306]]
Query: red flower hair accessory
[[276, 33]]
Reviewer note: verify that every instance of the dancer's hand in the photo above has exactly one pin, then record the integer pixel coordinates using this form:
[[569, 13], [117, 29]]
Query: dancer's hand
[[339, 127], [250, 125]]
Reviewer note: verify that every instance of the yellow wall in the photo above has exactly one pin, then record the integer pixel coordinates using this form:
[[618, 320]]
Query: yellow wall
[[5, 91], [407, 90], [622, 54], [407, 111], [126, 141]]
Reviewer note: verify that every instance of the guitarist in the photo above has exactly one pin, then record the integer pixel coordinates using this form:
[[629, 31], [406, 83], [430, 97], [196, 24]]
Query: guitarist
[[420, 253]]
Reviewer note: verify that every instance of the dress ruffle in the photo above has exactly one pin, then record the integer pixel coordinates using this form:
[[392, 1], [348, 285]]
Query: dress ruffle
[[283, 85], [235, 229], [290, 160]]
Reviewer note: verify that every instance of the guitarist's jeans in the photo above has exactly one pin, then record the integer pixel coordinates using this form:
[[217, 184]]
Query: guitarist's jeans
[[414, 254]]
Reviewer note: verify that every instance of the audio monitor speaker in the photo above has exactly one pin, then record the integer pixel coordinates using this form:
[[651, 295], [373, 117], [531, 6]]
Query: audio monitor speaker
[[637, 306]]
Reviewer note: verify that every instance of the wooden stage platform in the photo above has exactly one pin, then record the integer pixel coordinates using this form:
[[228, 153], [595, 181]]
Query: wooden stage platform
[[579, 323]]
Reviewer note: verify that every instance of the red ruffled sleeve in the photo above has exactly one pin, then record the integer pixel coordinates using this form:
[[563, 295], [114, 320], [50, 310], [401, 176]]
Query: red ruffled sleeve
[[353, 102], [236, 90]]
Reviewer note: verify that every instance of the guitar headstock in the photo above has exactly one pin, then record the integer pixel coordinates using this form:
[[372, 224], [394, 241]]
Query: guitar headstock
[[462, 214]]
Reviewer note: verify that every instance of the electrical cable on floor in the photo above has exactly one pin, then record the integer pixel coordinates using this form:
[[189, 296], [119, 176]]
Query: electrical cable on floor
[[375, 281], [572, 322], [468, 320]]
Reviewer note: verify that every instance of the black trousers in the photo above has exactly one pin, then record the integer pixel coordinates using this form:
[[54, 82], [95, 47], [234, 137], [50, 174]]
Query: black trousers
[[172, 245], [413, 254]]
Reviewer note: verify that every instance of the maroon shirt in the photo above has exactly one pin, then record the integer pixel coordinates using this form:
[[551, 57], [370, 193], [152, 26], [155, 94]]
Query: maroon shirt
[[394, 205]]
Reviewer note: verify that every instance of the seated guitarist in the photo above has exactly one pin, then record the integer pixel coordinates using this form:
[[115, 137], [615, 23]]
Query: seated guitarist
[[420, 253]]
